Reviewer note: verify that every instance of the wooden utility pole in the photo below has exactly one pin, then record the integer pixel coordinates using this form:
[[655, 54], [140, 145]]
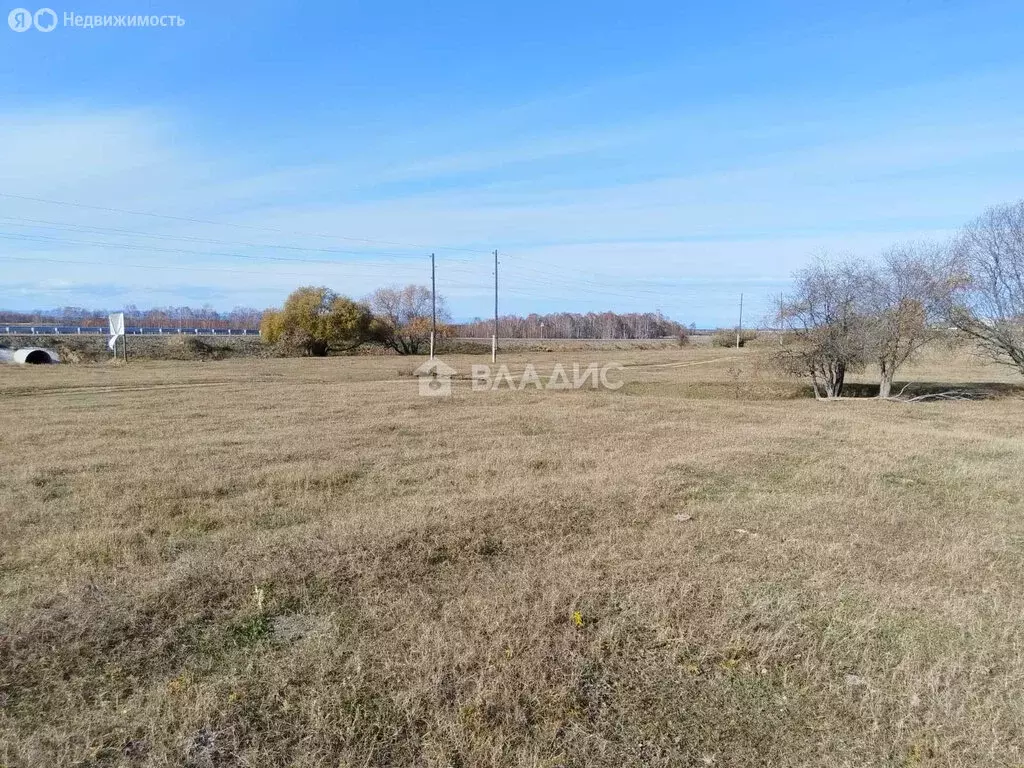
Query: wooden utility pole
[[781, 323], [433, 306], [494, 338], [739, 328]]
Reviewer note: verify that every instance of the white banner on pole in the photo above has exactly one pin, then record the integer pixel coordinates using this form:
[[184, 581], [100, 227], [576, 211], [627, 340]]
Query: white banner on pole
[[116, 328]]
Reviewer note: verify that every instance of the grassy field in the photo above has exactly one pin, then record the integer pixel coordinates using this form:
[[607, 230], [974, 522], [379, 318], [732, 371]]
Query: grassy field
[[305, 563]]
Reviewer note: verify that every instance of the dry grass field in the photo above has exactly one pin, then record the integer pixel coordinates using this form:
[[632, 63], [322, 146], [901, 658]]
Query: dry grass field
[[305, 563]]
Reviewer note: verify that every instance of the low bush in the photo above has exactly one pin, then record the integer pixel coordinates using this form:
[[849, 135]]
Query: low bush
[[728, 338]]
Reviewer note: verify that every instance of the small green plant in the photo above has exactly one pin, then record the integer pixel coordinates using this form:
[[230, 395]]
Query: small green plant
[[251, 631], [257, 627]]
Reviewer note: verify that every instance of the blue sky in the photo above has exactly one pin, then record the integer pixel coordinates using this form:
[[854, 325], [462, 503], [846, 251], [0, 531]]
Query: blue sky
[[620, 156]]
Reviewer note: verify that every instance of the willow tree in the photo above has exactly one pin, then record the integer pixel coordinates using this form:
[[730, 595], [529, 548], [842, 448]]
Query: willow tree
[[316, 320]]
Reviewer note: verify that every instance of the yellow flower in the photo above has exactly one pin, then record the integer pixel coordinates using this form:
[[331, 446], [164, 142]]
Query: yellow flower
[[577, 618]]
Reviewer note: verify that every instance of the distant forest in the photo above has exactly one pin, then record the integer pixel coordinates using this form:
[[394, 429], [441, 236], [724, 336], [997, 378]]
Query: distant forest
[[574, 325], [561, 325]]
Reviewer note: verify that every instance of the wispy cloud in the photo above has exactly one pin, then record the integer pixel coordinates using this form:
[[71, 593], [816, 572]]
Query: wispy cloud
[[664, 209]]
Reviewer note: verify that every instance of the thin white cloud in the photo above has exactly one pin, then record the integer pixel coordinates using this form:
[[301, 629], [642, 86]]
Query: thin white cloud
[[651, 204]]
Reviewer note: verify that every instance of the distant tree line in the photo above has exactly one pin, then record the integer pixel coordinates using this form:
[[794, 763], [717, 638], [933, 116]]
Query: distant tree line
[[316, 320], [406, 307], [843, 314], [167, 317], [572, 325]]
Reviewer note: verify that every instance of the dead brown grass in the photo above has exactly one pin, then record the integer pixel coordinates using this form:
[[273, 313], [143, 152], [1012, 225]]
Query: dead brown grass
[[304, 563]]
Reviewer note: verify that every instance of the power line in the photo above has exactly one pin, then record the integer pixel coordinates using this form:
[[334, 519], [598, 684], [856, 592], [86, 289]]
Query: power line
[[136, 266], [185, 251], [519, 285], [514, 289], [583, 285], [91, 229], [80, 262], [228, 224], [517, 275], [592, 283]]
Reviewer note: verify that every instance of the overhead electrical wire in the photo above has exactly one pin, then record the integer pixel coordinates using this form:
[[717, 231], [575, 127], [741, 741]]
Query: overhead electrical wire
[[48, 260], [90, 229], [235, 225], [519, 272], [187, 252]]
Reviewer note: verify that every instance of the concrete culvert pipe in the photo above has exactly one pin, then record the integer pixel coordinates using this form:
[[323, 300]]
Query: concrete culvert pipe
[[36, 356]]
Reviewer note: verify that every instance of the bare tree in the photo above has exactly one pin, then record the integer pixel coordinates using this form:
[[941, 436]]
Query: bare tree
[[402, 317], [989, 305], [824, 325], [902, 302]]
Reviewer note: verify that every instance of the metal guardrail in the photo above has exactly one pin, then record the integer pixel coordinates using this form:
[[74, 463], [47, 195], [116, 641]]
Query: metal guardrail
[[41, 329]]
